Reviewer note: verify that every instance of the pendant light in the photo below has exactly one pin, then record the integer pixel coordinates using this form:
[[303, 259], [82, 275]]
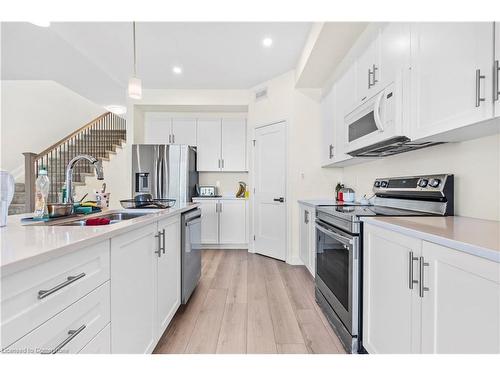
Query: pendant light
[[134, 83]]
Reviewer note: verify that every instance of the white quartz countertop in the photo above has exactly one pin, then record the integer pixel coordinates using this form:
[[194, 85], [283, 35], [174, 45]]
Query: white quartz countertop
[[318, 202], [474, 236], [25, 245], [222, 197]]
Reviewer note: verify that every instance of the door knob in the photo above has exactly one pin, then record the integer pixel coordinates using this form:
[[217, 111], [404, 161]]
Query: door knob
[[280, 199]]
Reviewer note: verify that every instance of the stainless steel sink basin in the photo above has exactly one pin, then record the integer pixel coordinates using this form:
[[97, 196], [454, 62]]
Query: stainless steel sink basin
[[114, 218]]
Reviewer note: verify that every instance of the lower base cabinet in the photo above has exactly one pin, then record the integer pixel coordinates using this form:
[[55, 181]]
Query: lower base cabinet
[[145, 285], [307, 237], [420, 297], [101, 344], [223, 222]]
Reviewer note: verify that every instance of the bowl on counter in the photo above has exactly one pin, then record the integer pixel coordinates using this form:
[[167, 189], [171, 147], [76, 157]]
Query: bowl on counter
[[59, 209]]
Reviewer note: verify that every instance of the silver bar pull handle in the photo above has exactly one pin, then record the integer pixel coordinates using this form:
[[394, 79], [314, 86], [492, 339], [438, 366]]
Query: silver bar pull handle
[[496, 88], [331, 151], [219, 163], [422, 273], [479, 77], [159, 244], [220, 207], [173, 138], [70, 280], [375, 80], [163, 236], [411, 259], [306, 217], [72, 334], [222, 163], [369, 78]]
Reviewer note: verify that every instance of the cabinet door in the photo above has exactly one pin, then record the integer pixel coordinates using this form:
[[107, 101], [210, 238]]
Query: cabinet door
[[169, 275], [209, 145], [304, 235], [209, 221], [157, 128], [234, 145], [233, 221], [133, 291], [390, 307], [447, 60], [394, 53], [327, 124], [461, 309], [345, 99], [184, 131], [496, 76], [368, 71]]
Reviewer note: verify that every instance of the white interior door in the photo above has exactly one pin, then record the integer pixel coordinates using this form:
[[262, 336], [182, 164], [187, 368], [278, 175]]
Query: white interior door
[[184, 131], [270, 191]]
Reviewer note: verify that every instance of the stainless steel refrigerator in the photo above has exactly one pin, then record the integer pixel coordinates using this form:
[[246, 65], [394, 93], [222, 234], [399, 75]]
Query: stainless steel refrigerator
[[164, 171]]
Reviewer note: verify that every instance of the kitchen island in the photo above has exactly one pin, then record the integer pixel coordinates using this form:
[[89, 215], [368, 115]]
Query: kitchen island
[[63, 286]]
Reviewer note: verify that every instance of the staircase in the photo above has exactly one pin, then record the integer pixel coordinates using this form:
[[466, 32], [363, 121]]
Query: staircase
[[101, 138]]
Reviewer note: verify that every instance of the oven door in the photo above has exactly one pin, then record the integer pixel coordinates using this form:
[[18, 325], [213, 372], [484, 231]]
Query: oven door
[[337, 272]]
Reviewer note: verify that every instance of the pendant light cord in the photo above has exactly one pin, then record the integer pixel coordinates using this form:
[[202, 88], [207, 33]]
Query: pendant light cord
[[135, 58]]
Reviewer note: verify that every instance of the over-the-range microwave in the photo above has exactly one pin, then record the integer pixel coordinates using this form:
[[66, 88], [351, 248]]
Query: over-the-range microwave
[[373, 121]]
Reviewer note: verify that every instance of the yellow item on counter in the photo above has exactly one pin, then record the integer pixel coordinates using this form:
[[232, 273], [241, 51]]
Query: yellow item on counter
[[247, 194], [89, 204]]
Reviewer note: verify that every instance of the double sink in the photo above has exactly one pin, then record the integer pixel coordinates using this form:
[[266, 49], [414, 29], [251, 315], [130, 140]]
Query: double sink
[[115, 217]]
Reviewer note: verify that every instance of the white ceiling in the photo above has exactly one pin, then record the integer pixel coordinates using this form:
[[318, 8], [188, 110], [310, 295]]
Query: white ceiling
[[95, 59]]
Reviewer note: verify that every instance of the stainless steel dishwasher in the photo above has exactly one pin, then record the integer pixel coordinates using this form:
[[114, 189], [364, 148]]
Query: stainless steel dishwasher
[[191, 252]]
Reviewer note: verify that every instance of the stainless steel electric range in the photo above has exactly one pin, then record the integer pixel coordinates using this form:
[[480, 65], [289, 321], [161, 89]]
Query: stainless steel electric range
[[339, 248]]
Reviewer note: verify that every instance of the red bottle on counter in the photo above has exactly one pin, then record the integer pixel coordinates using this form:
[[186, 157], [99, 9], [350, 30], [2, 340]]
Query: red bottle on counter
[[340, 196]]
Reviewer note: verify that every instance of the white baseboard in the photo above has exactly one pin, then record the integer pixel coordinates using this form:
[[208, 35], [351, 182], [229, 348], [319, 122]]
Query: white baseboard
[[225, 246], [295, 261]]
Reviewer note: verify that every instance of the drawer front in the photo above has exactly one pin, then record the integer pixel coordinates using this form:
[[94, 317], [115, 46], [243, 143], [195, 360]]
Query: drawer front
[[24, 305], [70, 330], [101, 344]]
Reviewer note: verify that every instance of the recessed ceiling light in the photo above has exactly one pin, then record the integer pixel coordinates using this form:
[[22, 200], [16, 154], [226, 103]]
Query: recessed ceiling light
[[177, 69], [267, 42], [41, 23], [116, 109]]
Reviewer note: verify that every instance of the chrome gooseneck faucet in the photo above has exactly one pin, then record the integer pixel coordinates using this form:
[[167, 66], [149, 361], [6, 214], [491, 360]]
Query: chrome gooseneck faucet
[[69, 173]]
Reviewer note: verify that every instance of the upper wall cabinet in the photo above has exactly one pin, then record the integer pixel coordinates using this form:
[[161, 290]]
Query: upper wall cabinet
[[451, 76], [496, 71], [327, 126], [368, 71], [222, 145], [159, 128]]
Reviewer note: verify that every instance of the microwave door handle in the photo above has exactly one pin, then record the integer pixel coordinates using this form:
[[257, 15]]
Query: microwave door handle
[[376, 111]]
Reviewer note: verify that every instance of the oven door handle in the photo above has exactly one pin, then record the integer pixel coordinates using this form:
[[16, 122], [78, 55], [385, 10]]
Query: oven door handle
[[338, 237]]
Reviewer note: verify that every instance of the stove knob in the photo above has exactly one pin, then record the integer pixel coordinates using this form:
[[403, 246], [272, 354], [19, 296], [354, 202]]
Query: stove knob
[[377, 184], [423, 182], [383, 184], [434, 182]]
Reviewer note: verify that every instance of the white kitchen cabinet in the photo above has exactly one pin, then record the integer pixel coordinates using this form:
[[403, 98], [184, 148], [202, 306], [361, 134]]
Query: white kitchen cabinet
[[232, 221], [420, 297], [368, 71], [345, 99], [157, 128], [209, 220], [169, 272], [390, 307], [461, 309], [327, 126], [134, 290], [160, 128], [222, 145], [395, 53], [451, 76], [209, 145], [100, 344], [307, 238], [183, 131], [234, 145], [496, 72], [224, 222]]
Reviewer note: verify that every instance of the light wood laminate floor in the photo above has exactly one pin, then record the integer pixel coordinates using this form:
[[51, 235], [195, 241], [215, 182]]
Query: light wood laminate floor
[[248, 303]]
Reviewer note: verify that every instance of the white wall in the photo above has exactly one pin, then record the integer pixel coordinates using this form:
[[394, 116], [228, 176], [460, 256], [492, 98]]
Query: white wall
[[306, 179], [37, 114], [475, 165]]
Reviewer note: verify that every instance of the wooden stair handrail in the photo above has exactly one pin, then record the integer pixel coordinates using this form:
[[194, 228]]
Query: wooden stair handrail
[[84, 127]]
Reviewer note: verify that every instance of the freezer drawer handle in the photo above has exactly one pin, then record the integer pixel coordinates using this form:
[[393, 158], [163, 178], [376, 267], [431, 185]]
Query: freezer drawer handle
[[71, 279], [72, 334]]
